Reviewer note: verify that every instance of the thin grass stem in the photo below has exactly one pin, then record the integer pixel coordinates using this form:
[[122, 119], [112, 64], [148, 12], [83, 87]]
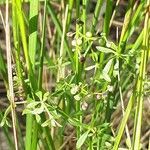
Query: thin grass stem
[[10, 80]]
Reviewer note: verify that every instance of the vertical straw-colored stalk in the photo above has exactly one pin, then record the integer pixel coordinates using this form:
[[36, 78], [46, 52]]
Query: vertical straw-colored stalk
[[113, 14], [123, 108], [10, 80], [61, 70]]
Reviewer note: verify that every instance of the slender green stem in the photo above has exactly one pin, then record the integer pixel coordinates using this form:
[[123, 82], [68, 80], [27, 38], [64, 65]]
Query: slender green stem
[[35, 135], [140, 85], [32, 47], [124, 121], [123, 107], [71, 2], [33, 19], [77, 76], [84, 17], [42, 48], [77, 9], [108, 12], [3, 70], [96, 14]]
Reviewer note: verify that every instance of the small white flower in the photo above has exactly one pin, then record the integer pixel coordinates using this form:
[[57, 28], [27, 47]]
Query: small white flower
[[84, 106], [98, 96], [74, 89], [70, 34], [79, 41], [88, 34], [77, 97], [110, 88], [74, 42]]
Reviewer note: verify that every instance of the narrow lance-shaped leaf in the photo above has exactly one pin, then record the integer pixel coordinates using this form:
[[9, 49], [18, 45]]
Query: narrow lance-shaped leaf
[[105, 50], [82, 139]]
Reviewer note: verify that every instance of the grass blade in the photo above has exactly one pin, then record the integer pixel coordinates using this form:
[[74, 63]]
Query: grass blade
[[33, 20]]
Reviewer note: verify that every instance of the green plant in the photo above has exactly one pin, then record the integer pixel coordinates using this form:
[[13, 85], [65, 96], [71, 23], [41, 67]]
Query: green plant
[[67, 76]]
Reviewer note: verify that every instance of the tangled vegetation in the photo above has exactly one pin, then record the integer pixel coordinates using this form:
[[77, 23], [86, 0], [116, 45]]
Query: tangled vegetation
[[69, 64]]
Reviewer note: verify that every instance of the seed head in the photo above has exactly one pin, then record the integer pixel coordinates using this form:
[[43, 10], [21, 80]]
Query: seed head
[[82, 59]]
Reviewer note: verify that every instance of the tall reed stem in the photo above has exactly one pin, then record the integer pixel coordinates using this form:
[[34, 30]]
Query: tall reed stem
[[10, 79]]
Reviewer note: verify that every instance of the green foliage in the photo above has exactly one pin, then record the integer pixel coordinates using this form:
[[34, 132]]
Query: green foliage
[[75, 79]]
